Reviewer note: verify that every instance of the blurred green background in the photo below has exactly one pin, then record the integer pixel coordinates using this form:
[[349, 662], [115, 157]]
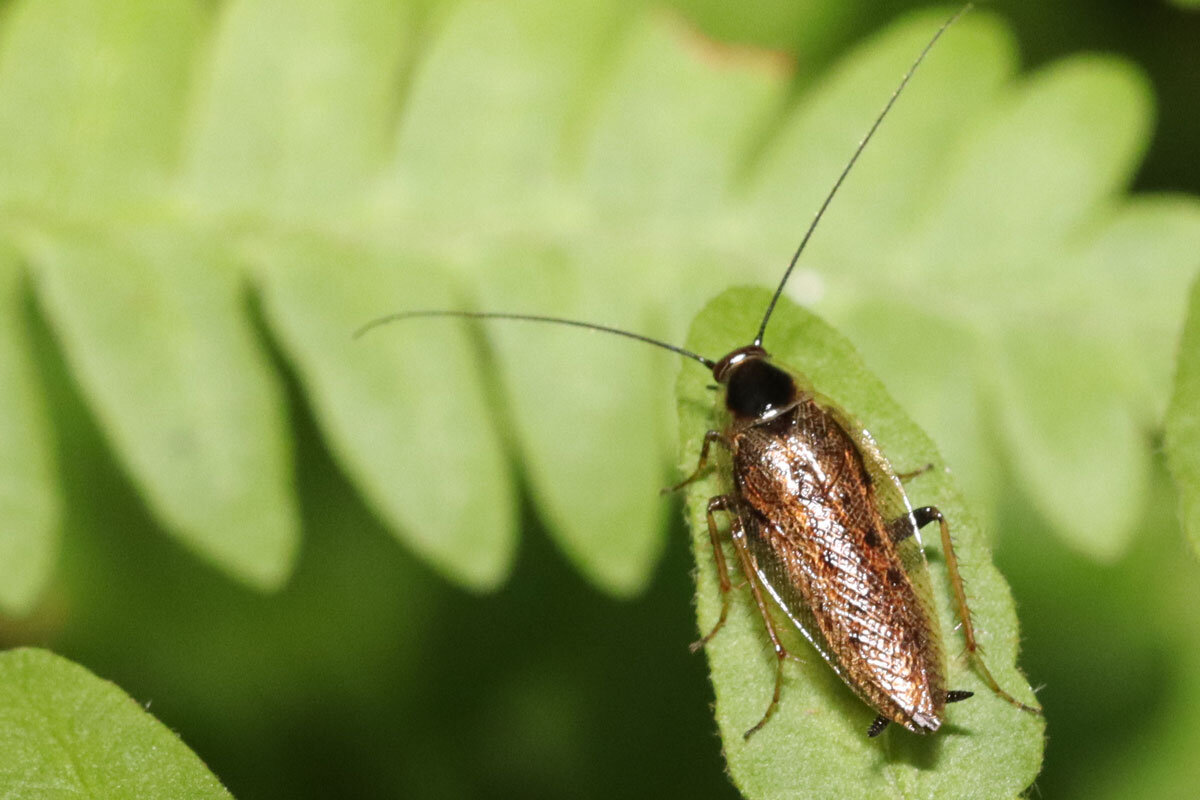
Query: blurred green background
[[370, 675]]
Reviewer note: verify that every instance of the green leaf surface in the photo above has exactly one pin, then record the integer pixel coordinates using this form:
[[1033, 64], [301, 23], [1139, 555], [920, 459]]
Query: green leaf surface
[[916, 341], [1183, 423], [66, 733], [897, 180], [92, 97], [154, 328], [1054, 302], [816, 744], [1046, 396], [29, 502], [592, 160], [600, 492], [267, 117], [1039, 160], [1081, 124], [389, 402], [603, 510]]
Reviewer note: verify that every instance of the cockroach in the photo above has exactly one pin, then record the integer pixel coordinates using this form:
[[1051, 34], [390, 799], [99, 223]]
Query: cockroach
[[819, 521]]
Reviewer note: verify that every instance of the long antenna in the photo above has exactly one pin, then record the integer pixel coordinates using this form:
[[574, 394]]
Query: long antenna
[[384, 320], [846, 171]]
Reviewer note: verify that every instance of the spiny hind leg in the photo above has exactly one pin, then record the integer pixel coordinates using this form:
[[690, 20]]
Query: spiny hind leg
[[709, 438], [738, 535], [723, 502], [903, 527]]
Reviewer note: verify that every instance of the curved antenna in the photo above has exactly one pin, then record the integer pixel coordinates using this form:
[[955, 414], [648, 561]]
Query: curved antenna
[[849, 165], [389, 318]]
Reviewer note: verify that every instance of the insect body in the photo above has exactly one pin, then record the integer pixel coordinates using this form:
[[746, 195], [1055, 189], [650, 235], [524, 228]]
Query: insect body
[[815, 524], [820, 523], [822, 527]]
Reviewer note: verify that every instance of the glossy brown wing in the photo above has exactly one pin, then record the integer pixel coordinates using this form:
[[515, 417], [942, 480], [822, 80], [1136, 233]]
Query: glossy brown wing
[[817, 529], [891, 499]]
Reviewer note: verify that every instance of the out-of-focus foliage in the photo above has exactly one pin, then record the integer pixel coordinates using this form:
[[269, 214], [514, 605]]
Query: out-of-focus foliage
[[28, 494], [1183, 422], [814, 745], [66, 733], [612, 180], [202, 200]]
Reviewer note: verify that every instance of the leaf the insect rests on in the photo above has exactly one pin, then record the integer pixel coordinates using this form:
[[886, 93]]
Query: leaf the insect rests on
[[66, 733], [816, 744], [1183, 423]]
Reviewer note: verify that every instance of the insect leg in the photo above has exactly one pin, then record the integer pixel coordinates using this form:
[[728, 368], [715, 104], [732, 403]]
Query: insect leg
[[738, 535], [720, 503], [908, 476], [877, 726], [709, 438], [903, 527], [921, 517]]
